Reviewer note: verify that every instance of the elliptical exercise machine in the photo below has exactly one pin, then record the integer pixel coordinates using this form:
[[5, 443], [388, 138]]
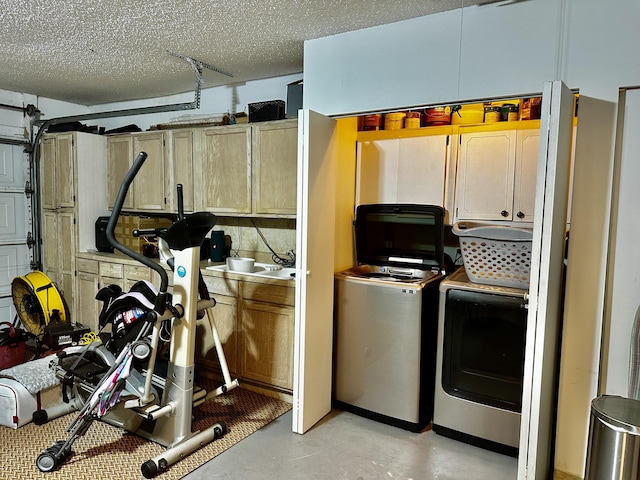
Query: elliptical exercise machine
[[126, 381]]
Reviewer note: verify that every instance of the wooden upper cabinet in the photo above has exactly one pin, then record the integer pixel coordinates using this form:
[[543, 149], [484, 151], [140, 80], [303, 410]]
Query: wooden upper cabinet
[[119, 152], [48, 172], [180, 165], [148, 186], [275, 160], [147, 192], [228, 170], [223, 171], [58, 173]]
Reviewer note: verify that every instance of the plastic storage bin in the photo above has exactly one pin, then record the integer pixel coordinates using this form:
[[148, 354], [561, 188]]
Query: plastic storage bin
[[614, 439], [496, 254]]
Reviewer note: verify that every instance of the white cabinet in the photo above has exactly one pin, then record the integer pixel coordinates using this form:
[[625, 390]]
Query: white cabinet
[[415, 62], [404, 170], [496, 178], [498, 58]]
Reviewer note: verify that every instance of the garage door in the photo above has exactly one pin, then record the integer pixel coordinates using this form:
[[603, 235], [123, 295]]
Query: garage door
[[15, 221]]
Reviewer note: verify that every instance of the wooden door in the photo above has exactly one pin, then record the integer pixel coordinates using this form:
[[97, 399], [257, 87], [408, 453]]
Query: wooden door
[[274, 157], [65, 172], [87, 307], [48, 173], [266, 343], [181, 162], [66, 249], [50, 243], [224, 170], [148, 186], [225, 314], [119, 160]]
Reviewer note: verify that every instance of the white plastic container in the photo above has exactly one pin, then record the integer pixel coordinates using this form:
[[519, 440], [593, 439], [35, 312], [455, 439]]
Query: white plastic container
[[497, 255], [241, 264]]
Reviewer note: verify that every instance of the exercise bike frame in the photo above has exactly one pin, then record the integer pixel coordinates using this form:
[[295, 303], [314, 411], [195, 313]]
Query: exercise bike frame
[[167, 421]]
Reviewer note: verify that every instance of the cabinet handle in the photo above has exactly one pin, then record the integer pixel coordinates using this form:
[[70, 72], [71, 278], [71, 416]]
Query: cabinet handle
[[520, 215], [504, 213]]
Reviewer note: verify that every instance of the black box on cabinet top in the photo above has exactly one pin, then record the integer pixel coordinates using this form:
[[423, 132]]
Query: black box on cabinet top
[[269, 110]]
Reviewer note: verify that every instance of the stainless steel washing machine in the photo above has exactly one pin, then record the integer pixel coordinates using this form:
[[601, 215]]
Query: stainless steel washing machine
[[480, 363], [386, 312]]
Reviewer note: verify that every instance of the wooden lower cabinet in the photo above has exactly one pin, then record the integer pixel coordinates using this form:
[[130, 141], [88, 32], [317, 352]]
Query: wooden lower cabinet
[[225, 320], [87, 307], [266, 343], [255, 325], [254, 320]]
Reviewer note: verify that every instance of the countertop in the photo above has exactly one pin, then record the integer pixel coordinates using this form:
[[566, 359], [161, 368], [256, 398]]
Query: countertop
[[119, 258]]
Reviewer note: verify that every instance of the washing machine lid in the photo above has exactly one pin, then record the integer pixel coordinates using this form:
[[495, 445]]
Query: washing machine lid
[[407, 235]]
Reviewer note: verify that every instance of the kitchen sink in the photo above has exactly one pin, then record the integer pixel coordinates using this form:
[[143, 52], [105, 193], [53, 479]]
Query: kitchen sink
[[268, 270]]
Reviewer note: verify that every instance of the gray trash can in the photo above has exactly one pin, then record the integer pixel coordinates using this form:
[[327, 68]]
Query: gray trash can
[[613, 452]]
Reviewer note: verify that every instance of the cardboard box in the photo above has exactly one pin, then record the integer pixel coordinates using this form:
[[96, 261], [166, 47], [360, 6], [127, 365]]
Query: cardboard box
[[128, 223]]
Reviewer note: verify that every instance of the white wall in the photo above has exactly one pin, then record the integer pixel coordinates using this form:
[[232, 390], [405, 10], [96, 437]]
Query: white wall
[[624, 282], [214, 101], [510, 49], [465, 54]]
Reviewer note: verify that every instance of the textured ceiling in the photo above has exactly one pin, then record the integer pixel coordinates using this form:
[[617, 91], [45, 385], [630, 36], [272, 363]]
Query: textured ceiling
[[93, 52]]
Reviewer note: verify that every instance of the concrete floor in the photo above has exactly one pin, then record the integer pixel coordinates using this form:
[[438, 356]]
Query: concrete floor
[[345, 446]]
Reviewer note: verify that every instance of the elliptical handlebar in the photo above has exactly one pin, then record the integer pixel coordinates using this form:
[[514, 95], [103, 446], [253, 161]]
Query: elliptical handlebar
[[111, 225]]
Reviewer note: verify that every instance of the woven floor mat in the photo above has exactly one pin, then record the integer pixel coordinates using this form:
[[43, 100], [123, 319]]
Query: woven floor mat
[[110, 453]]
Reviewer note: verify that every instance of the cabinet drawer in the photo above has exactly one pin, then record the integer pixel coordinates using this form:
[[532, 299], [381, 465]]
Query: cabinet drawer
[[86, 265], [108, 269], [132, 272], [221, 286], [263, 292]]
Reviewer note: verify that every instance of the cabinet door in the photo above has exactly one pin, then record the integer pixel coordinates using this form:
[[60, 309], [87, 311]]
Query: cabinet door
[[58, 173], [225, 320], [50, 244], [66, 248], [48, 173], [119, 160], [275, 159], [135, 273], [484, 190], [87, 307], [65, 171], [266, 343], [377, 171], [525, 174], [224, 170], [402, 170], [181, 161], [148, 186]]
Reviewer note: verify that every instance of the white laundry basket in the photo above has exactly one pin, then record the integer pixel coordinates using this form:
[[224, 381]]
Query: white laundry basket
[[495, 254]]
